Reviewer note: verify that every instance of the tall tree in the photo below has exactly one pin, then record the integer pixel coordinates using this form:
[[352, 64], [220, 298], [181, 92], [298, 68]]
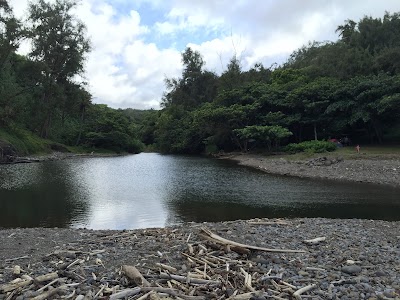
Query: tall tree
[[10, 32], [59, 43], [195, 87]]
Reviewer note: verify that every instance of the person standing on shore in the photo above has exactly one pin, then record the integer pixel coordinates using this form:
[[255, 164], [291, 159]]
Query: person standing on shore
[[358, 149]]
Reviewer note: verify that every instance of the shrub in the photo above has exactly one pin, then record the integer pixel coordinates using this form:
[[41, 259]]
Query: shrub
[[311, 146]]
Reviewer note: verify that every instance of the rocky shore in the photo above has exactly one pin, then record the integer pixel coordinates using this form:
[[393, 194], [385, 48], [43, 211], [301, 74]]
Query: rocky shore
[[371, 169], [305, 259]]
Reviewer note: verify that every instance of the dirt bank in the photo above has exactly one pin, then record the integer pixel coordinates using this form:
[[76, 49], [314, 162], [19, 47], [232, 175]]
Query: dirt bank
[[354, 259], [372, 169]]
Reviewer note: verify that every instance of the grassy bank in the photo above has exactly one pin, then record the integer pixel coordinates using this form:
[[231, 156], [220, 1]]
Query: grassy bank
[[24, 142]]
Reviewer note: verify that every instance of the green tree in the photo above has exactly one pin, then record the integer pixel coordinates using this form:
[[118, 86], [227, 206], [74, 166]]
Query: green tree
[[270, 135], [195, 87], [59, 44]]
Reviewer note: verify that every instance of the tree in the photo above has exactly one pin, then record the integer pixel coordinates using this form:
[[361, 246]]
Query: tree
[[59, 44], [231, 78], [195, 87], [271, 135], [10, 33], [347, 30]]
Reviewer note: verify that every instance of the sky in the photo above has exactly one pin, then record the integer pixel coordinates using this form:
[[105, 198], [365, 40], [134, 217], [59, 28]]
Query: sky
[[136, 44]]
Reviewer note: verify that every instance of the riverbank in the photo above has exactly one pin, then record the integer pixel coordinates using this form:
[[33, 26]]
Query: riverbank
[[377, 169], [57, 156], [351, 259]]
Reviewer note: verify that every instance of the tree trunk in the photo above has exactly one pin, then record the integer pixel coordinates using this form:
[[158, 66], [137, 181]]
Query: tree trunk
[[378, 131], [315, 132]]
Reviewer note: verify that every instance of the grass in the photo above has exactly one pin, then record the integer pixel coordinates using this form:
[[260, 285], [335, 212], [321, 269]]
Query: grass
[[24, 141], [27, 143]]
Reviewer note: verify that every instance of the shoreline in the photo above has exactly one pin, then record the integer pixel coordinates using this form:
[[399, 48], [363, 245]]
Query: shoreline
[[375, 169], [353, 259]]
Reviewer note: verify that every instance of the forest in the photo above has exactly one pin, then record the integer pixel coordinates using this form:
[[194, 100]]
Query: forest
[[346, 88]]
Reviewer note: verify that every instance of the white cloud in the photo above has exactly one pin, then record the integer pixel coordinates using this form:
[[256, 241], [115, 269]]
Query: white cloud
[[133, 52]]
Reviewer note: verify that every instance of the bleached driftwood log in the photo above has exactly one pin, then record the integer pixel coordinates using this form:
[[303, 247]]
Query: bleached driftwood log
[[224, 241], [303, 290], [132, 273]]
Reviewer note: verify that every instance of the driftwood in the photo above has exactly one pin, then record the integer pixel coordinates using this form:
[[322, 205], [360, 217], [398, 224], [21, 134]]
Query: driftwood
[[224, 241], [46, 277], [247, 296], [278, 222], [173, 292], [8, 287], [166, 267], [303, 290], [48, 294], [17, 258], [188, 279], [125, 293], [315, 241], [132, 273], [210, 271]]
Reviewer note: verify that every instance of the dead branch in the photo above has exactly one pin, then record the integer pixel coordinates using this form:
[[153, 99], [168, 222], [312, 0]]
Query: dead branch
[[224, 241], [303, 290]]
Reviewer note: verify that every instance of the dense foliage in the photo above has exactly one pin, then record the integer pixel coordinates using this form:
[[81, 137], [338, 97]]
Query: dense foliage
[[348, 88], [311, 147], [40, 92]]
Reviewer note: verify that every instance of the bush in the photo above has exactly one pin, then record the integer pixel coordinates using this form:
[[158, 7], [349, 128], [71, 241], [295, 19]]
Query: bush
[[311, 146]]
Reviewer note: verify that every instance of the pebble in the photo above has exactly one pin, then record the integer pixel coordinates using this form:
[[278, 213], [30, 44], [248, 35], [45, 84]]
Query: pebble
[[352, 270]]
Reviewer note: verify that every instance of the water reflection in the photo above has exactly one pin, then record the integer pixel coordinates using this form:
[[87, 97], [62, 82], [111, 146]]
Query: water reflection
[[152, 190], [33, 195]]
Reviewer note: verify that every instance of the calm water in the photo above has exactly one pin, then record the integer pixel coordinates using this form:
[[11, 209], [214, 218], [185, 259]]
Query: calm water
[[149, 190]]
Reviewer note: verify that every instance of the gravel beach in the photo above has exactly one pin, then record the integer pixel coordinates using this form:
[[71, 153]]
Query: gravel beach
[[352, 259], [370, 169]]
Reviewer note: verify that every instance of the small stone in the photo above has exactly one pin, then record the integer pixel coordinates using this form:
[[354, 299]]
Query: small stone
[[380, 273], [390, 293], [352, 270]]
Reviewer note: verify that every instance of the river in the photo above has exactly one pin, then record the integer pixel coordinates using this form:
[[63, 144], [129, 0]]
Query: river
[[154, 190]]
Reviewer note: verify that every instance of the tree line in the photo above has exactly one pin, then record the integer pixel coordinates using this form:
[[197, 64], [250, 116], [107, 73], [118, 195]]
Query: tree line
[[44, 91], [350, 87]]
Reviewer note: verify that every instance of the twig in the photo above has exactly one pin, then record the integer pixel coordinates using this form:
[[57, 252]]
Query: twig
[[17, 258], [47, 285]]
